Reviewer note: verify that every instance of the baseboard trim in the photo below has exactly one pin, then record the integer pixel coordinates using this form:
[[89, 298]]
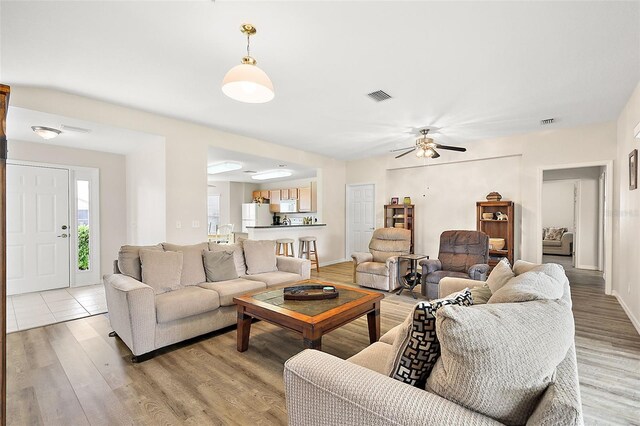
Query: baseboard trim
[[587, 267], [333, 262], [634, 320]]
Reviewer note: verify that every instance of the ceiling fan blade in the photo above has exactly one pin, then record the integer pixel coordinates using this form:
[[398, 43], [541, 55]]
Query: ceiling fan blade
[[435, 154], [451, 148], [402, 149], [405, 153]]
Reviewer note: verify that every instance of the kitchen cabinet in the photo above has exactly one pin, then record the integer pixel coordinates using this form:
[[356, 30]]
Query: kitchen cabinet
[[274, 197], [264, 194], [307, 198], [284, 194], [255, 194], [293, 193]]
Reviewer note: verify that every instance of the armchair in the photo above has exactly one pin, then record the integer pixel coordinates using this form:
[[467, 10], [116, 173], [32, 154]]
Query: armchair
[[463, 254], [378, 269]]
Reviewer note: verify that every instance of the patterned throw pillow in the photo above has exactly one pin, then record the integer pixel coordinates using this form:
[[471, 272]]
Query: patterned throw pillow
[[555, 233], [416, 351]]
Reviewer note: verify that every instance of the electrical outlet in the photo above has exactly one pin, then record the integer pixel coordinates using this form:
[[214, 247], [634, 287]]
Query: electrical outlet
[[195, 224], [178, 225]]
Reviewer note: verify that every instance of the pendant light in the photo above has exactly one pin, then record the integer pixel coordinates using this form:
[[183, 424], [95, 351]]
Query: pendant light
[[246, 82]]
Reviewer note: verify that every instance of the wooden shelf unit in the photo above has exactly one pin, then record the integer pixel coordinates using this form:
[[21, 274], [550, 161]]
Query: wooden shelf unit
[[497, 228], [391, 219]]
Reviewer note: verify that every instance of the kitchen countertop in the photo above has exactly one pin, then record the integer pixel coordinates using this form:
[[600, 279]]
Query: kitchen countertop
[[286, 226]]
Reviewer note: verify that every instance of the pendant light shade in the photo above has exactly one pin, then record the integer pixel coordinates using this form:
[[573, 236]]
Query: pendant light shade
[[246, 82]]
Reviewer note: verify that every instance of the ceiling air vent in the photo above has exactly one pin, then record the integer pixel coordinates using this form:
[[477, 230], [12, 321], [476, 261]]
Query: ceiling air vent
[[547, 121], [379, 95], [250, 171]]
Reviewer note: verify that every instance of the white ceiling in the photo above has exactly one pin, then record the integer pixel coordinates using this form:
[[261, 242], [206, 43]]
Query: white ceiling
[[474, 69], [100, 138], [253, 163]]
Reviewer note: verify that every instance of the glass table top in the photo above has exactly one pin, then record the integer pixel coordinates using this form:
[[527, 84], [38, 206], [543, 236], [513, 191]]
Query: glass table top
[[308, 307]]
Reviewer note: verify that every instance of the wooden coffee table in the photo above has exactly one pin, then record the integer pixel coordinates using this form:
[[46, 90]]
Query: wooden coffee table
[[311, 318]]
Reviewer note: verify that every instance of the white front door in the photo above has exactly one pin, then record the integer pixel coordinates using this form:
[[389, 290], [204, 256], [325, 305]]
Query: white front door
[[362, 218], [37, 228]]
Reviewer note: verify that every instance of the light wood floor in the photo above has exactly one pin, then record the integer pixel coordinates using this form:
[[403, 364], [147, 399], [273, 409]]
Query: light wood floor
[[74, 374]]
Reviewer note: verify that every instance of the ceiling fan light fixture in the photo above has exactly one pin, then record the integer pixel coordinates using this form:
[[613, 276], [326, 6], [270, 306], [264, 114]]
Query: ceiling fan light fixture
[[429, 153], [420, 152], [45, 132], [246, 82]]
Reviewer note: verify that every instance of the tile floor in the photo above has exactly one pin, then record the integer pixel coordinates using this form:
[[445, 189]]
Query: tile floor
[[31, 310]]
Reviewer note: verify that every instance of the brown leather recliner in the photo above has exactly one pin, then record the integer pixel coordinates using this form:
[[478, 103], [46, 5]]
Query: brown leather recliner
[[463, 254], [379, 268]]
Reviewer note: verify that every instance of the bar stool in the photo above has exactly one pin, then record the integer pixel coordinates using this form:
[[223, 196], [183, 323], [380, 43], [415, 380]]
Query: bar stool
[[283, 246], [306, 251]]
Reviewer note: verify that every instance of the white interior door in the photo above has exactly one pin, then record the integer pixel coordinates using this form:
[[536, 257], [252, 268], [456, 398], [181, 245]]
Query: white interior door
[[362, 218], [37, 228]]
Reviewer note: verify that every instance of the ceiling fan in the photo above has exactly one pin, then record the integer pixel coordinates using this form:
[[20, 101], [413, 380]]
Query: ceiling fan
[[425, 147]]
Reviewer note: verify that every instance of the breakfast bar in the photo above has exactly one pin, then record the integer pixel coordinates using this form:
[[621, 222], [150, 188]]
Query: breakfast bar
[[294, 232]]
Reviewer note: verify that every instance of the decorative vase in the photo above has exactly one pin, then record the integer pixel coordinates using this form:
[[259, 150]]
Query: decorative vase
[[407, 200], [494, 196]]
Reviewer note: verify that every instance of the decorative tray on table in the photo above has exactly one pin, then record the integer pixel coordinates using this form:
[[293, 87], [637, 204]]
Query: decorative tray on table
[[310, 292]]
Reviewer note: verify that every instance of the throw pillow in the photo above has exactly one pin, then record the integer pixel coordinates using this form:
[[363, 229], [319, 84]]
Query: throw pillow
[[129, 260], [192, 267], [500, 275], [238, 255], [498, 359], [260, 256], [480, 294], [219, 266], [161, 270], [555, 233], [542, 282], [416, 348]]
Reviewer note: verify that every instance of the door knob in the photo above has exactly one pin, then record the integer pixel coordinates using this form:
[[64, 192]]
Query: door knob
[[64, 227], [63, 236]]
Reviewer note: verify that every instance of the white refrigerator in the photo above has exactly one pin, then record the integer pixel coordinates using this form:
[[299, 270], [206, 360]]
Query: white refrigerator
[[254, 214]]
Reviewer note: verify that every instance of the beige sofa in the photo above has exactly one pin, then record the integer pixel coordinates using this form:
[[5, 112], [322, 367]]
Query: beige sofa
[[324, 390], [563, 247], [146, 321]]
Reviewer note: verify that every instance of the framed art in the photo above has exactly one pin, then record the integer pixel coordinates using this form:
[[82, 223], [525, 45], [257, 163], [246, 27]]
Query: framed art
[[633, 170], [394, 200]]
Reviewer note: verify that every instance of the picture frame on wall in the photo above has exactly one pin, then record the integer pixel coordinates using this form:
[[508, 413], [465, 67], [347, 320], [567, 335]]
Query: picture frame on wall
[[394, 200], [633, 170]]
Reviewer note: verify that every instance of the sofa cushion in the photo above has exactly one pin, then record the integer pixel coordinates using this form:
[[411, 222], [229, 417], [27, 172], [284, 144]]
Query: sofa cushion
[[227, 290], [541, 282], [416, 350], [552, 243], [498, 359], [375, 268], [185, 302], [436, 276], [390, 336], [161, 270], [129, 260], [260, 256], [374, 357], [238, 255], [500, 275], [192, 265], [480, 294], [219, 266], [274, 278]]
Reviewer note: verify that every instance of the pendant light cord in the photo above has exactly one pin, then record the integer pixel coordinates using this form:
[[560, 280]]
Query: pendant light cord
[[248, 42]]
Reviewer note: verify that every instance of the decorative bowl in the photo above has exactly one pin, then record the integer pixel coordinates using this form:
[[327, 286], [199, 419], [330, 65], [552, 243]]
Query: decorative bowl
[[496, 243], [487, 216]]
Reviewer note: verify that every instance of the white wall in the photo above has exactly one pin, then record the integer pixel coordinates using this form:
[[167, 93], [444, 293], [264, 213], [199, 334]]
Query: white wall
[[186, 147], [626, 218], [445, 195], [558, 204], [586, 144], [146, 194], [113, 227], [222, 189]]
